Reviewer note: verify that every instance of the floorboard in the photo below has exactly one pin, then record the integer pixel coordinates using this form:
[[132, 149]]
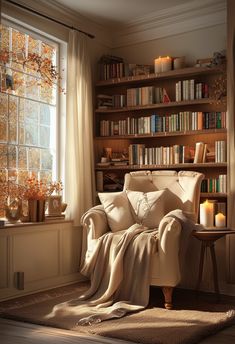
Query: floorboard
[[14, 332]]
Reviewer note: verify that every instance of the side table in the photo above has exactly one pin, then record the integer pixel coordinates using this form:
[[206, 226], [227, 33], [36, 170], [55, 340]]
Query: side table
[[208, 238]]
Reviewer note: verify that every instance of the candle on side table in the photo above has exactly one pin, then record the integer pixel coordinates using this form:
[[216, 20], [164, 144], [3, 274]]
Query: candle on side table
[[220, 220], [207, 214]]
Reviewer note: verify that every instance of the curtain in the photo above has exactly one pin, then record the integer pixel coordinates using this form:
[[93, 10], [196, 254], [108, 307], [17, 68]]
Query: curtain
[[231, 138], [79, 162]]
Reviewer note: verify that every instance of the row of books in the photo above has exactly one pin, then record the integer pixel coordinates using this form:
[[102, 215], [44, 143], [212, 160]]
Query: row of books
[[190, 90], [146, 95], [177, 154], [220, 151], [107, 102], [215, 184], [183, 121], [114, 67], [217, 154], [111, 66]]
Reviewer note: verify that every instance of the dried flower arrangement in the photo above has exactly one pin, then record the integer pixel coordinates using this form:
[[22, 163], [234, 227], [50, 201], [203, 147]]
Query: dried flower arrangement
[[32, 189], [37, 64], [39, 189]]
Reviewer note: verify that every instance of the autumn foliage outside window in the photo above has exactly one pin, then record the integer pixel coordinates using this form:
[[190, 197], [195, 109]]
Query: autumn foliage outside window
[[28, 107]]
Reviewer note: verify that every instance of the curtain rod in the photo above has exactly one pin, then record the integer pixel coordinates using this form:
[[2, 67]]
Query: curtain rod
[[49, 18]]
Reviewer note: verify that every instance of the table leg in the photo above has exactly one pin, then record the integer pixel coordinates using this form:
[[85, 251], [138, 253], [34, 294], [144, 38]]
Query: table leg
[[215, 272], [202, 254]]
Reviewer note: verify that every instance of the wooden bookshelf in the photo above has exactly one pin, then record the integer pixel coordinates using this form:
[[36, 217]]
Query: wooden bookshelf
[[120, 143]]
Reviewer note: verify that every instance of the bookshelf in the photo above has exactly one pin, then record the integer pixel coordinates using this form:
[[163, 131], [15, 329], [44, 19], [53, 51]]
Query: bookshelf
[[114, 126]]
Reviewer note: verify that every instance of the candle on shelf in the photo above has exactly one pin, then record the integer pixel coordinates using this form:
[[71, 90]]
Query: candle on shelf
[[158, 65], [166, 64], [179, 62], [207, 214], [220, 220]]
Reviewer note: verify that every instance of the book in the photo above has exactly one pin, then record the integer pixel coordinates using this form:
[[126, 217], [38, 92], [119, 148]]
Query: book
[[49, 218], [199, 150]]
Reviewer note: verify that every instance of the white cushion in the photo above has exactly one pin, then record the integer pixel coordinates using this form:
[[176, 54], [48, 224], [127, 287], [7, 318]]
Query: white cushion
[[118, 210], [149, 208]]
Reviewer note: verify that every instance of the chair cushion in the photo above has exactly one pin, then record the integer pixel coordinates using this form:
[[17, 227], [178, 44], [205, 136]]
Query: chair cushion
[[149, 208], [118, 210]]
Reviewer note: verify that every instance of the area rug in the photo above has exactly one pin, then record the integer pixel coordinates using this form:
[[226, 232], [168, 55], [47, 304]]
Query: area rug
[[191, 320]]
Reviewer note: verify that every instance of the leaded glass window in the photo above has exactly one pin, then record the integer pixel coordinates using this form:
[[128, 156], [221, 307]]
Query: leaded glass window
[[28, 108]]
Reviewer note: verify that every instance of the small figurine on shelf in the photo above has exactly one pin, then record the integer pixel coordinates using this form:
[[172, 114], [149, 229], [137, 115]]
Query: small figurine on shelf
[[13, 210], [108, 153]]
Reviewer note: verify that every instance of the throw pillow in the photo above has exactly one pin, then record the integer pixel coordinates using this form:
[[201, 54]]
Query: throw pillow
[[118, 210], [149, 208]]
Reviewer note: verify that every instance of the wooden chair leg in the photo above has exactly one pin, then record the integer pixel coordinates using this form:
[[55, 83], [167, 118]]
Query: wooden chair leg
[[167, 292]]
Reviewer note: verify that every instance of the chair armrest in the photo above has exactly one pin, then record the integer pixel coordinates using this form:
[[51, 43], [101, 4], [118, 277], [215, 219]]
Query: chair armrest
[[168, 250], [95, 222]]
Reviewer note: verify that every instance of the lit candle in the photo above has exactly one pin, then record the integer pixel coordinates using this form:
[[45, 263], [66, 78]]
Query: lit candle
[[207, 214], [158, 65], [220, 220], [166, 64]]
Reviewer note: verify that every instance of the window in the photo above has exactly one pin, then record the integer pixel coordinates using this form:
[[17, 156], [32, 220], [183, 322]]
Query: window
[[28, 107]]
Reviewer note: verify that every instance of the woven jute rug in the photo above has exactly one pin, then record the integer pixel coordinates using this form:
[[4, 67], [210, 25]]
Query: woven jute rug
[[191, 319]]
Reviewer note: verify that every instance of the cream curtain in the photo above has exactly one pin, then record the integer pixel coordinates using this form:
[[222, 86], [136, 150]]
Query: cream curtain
[[79, 169]]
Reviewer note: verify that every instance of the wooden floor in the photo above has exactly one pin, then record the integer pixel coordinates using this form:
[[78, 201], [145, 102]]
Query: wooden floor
[[13, 332]]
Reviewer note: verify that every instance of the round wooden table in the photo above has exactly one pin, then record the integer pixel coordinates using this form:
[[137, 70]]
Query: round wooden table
[[208, 237]]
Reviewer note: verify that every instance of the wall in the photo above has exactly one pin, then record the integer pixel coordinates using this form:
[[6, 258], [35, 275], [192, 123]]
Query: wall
[[193, 45]]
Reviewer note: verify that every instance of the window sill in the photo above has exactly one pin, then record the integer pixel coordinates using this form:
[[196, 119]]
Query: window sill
[[19, 224]]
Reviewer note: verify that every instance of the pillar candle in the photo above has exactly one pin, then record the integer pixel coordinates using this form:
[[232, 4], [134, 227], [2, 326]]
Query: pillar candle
[[158, 65], [166, 64], [207, 214], [179, 62], [220, 220]]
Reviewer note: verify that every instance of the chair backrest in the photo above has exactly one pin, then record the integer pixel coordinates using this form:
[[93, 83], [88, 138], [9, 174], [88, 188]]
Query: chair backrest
[[183, 187]]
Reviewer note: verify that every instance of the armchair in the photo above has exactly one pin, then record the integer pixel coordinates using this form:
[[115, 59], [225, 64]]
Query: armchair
[[184, 194]]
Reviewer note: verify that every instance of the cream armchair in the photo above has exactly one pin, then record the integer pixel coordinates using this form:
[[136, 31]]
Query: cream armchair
[[184, 194]]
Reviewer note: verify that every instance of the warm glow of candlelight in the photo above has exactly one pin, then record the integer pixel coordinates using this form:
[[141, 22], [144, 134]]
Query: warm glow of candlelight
[[207, 214], [220, 220]]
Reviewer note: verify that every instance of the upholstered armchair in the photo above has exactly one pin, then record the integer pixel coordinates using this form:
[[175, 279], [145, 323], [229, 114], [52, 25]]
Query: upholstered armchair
[[183, 192]]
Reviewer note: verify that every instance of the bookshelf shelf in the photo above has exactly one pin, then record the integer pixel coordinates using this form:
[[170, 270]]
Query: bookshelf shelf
[[161, 105], [213, 195], [173, 74], [163, 134], [163, 167]]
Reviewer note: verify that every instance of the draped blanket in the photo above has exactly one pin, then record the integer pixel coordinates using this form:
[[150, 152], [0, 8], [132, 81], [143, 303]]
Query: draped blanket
[[119, 270]]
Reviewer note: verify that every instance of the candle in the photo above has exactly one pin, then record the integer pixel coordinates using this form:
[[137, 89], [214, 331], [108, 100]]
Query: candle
[[179, 62], [207, 214], [166, 64], [220, 220], [158, 65]]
